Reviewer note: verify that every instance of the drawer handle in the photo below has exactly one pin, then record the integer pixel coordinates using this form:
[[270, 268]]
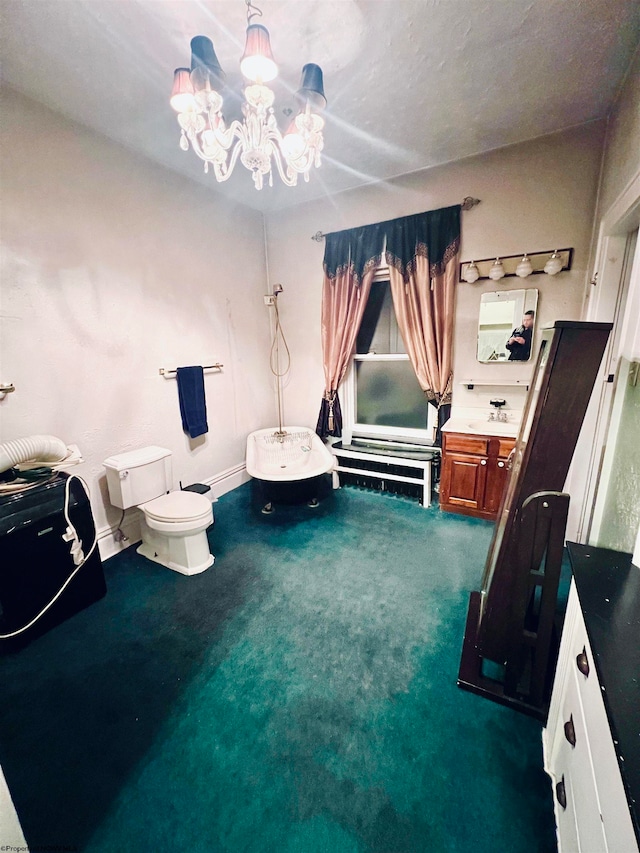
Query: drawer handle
[[561, 794], [483, 461], [500, 464], [582, 662], [510, 458], [570, 731]]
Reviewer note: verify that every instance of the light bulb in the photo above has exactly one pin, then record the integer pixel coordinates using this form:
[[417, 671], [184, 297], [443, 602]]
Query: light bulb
[[293, 144], [524, 268], [497, 270], [554, 264], [471, 273]]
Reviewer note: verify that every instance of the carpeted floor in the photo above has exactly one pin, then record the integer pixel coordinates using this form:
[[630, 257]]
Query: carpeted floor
[[299, 696]]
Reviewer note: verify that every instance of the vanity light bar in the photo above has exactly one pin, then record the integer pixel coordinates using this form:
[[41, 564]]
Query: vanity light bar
[[510, 263]]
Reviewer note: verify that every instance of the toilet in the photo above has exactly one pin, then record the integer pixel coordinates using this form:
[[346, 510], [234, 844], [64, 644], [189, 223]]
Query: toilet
[[173, 524]]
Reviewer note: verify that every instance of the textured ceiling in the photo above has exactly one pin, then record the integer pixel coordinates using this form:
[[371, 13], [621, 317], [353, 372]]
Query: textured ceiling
[[410, 83]]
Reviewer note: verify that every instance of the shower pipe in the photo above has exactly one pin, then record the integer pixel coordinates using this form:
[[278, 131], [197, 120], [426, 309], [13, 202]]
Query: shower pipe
[[274, 359]]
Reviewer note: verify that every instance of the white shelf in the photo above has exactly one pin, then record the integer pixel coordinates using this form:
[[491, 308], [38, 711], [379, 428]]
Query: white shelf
[[504, 383]]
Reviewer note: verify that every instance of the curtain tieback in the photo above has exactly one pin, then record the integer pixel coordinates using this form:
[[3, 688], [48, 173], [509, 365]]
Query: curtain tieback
[[330, 397]]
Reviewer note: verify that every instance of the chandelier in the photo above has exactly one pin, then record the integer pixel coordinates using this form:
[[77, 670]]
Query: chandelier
[[256, 140]]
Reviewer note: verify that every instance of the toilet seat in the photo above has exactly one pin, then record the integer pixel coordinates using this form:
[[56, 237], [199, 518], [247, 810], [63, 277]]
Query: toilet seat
[[178, 507]]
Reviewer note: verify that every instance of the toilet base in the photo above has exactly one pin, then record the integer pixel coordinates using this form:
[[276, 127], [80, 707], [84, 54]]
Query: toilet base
[[187, 554], [151, 554]]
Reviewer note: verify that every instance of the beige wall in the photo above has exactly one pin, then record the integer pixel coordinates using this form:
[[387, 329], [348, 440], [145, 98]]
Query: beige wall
[[535, 196], [622, 156], [113, 267]]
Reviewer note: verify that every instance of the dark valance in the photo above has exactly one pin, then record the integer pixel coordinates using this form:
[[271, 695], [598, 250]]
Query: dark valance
[[434, 234], [356, 250]]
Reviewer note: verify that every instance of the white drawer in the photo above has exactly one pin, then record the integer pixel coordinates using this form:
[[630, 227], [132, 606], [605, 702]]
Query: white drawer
[[574, 763], [582, 661], [597, 816], [614, 807]]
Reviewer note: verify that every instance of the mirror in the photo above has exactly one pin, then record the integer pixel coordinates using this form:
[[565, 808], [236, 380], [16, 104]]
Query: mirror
[[505, 326]]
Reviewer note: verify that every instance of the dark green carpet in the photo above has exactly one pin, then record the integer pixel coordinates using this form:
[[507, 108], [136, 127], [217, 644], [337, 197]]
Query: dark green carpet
[[298, 697]]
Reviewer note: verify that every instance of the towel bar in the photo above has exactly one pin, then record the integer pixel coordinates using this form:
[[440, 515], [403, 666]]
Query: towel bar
[[169, 373]]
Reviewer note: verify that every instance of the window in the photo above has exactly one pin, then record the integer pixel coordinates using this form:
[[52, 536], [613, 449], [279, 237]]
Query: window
[[382, 397]]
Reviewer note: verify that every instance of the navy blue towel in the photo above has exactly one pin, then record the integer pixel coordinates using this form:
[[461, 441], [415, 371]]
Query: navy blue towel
[[193, 408]]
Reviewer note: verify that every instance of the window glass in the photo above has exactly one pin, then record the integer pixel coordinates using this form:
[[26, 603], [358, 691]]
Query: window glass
[[388, 394], [379, 331]]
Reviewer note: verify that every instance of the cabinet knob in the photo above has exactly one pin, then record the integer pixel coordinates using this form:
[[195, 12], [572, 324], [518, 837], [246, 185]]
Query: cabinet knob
[[500, 464], [570, 731], [561, 794], [582, 662], [483, 461]]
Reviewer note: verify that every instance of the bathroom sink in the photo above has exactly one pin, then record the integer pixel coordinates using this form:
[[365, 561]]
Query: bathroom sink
[[494, 428]]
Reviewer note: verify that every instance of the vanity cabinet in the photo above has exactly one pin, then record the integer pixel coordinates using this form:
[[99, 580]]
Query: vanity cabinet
[[474, 473]]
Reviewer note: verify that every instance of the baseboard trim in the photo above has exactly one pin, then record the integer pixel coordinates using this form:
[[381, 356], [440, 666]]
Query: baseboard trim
[[221, 483], [228, 480], [107, 544]]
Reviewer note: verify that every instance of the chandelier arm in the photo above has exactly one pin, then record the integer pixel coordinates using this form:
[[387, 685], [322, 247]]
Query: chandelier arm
[[289, 180], [223, 170], [224, 173], [236, 130], [197, 148], [301, 164], [224, 138]]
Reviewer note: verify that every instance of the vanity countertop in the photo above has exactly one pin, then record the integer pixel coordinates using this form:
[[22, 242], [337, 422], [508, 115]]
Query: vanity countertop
[[478, 426]]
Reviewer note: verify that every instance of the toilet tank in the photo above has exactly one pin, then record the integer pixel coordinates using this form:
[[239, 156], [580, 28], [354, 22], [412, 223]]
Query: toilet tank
[[138, 476]]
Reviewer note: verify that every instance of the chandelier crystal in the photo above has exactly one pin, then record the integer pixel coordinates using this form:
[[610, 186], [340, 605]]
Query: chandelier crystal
[[256, 140]]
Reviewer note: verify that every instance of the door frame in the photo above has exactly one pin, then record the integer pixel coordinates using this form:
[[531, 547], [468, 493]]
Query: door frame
[[604, 306]]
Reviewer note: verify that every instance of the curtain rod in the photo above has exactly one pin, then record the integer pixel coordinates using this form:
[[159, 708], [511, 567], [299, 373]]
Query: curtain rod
[[467, 203]]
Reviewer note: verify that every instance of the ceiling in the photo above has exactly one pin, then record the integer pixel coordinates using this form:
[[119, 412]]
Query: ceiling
[[410, 83]]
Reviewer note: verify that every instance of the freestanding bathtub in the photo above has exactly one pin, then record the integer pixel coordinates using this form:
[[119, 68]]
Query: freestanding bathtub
[[289, 466]]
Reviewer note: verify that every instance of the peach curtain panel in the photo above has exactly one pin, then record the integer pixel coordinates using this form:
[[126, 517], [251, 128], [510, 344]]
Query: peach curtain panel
[[342, 310], [350, 261], [424, 309], [423, 254]]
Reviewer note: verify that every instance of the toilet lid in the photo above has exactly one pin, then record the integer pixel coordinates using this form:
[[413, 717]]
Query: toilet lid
[[178, 506]]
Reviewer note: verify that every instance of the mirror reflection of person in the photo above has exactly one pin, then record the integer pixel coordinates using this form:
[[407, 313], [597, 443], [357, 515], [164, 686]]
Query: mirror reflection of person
[[519, 344]]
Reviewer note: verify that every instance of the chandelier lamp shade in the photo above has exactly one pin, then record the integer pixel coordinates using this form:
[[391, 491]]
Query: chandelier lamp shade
[[256, 140]]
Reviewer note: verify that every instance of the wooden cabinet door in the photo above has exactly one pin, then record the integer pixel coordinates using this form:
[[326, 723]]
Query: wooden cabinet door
[[495, 485], [463, 479]]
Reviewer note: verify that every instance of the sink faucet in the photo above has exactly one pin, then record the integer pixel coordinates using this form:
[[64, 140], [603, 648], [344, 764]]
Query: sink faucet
[[496, 413]]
